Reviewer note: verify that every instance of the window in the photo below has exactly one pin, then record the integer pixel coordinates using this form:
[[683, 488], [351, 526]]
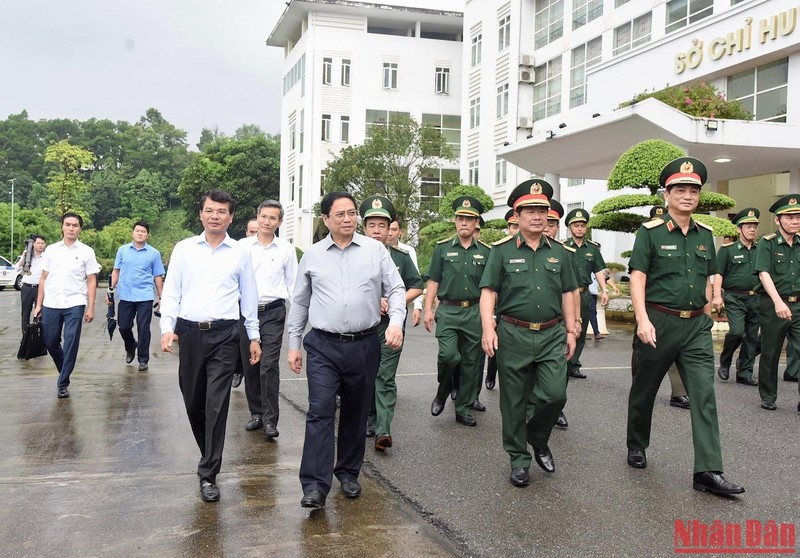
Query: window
[[575, 205], [500, 172], [434, 184], [292, 132], [442, 80], [389, 75], [300, 187], [327, 70], [618, 3], [294, 75], [548, 21], [575, 182], [326, 127], [302, 129], [502, 101], [322, 184], [763, 90], [380, 118], [585, 11], [583, 58], [681, 13], [547, 90], [473, 173], [734, 2], [346, 72], [291, 186], [632, 34], [475, 112], [476, 49], [449, 125], [504, 33], [345, 129]]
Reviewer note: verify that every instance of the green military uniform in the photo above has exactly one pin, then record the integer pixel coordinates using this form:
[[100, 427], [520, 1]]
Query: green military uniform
[[381, 410], [781, 260], [740, 282], [677, 269], [531, 338], [458, 272], [589, 262]]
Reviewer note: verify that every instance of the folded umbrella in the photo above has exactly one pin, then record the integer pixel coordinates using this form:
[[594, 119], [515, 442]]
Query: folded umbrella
[[111, 316]]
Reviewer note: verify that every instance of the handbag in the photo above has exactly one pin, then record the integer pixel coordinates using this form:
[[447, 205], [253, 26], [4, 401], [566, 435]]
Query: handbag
[[32, 344]]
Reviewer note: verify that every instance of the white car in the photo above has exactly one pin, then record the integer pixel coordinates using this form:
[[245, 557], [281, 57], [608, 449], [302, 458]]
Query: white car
[[10, 275]]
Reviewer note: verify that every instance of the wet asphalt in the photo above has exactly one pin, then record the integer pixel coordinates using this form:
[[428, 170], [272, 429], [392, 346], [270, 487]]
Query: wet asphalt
[[111, 470]]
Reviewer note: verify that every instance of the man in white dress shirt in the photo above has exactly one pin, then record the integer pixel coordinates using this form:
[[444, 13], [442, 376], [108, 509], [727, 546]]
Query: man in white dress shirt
[[275, 266], [395, 233], [30, 280], [209, 281]]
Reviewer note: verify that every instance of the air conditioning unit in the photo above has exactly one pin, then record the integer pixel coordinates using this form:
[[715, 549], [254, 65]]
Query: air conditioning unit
[[526, 76], [526, 60], [524, 122]]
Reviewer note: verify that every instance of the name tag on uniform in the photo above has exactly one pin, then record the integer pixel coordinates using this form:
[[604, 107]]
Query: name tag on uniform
[[669, 247], [449, 254], [477, 256], [740, 256], [779, 254], [517, 260]]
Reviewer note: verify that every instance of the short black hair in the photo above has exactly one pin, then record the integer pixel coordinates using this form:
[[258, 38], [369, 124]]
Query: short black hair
[[142, 224], [36, 237], [327, 202], [219, 196], [70, 214]]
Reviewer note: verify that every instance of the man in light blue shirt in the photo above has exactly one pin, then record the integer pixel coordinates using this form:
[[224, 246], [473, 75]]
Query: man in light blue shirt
[[137, 268]]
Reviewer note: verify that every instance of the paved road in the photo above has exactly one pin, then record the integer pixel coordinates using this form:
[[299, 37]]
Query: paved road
[[111, 470]]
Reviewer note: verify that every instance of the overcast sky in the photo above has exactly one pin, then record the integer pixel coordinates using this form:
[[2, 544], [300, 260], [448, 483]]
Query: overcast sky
[[202, 63]]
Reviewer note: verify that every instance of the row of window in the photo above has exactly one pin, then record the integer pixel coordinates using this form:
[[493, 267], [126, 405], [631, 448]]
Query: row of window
[[389, 75]]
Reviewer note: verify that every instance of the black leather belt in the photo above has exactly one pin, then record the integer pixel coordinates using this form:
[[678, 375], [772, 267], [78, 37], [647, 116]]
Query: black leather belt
[[790, 298], [208, 326], [348, 336], [672, 312], [271, 305], [533, 326], [745, 293], [31, 286], [461, 303]]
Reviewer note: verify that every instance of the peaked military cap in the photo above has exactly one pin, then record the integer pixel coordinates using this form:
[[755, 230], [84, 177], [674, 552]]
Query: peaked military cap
[[511, 217], [577, 215], [746, 215], [378, 206], [790, 203], [531, 193], [467, 206], [657, 211], [556, 210], [683, 170]]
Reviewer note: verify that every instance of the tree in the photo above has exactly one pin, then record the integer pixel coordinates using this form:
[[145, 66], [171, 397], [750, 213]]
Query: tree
[[391, 162], [143, 197], [67, 186]]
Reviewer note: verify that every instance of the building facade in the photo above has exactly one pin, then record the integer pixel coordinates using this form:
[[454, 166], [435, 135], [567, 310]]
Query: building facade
[[352, 65]]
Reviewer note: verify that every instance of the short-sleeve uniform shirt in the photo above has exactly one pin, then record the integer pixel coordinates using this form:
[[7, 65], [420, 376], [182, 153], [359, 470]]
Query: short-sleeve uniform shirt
[[735, 263], [781, 261], [458, 270]]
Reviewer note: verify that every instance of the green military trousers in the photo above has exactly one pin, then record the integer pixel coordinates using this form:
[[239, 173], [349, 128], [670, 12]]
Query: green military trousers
[[687, 343], [773, 332], [459, 333], [530, 362], [742, 311], [382, 411], [580, 342]]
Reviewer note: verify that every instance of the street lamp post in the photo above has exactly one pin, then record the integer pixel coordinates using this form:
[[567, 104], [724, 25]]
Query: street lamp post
[[11, 255]]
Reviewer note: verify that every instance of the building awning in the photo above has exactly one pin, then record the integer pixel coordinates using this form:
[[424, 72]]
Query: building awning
[[590, 149]]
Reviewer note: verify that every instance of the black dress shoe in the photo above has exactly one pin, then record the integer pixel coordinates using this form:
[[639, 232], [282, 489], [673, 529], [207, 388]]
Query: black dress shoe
[[466, 420], [370, 430], [715, 483], [129, 356], [351, 488], [489, 383], [519, 476], [768, 405], [789, 378], [681, 401], [270, 431], [454, 394], [561, 421], [637, 459], [746, 381], [478, 406], [437, 406], [576, 374], [143, 367], [63, 393], [254, 423], [209, 491], [383, 441], [544, 459], [313, 499], [237, 380], [724, 372], [798, 407]]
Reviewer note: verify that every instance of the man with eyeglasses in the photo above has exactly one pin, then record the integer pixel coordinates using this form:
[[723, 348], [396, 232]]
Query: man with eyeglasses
[[340, 282], [209, 283]]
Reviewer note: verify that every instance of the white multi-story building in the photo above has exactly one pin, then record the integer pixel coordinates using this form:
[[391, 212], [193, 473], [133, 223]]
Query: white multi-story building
[[544, 80], [349, 65]]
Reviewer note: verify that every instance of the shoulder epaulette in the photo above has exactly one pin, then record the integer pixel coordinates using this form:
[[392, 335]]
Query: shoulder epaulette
[[569, 249], [448, 239], [593, 243], [397, 248], [557, 241], [770, 236], [482, 242], [502, 240], [653, 224], [726, 244], [707, 227]]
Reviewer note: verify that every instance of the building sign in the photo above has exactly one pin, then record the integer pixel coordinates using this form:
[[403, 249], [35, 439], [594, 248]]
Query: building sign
[[768, 29]]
